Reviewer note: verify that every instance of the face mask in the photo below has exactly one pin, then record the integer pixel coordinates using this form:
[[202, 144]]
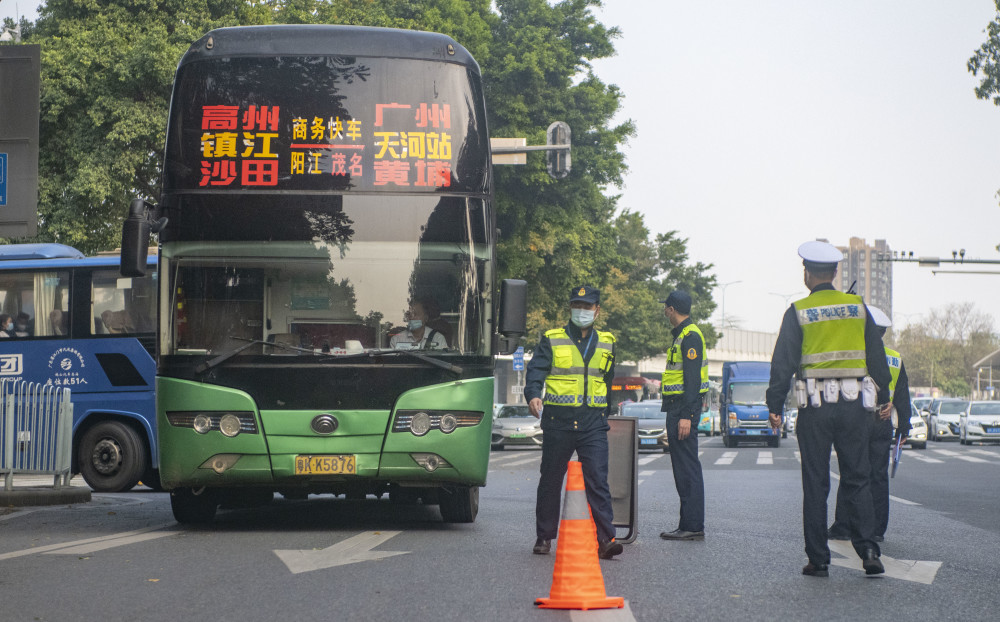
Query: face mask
[[582, 317], [413, 325], [10, 326]]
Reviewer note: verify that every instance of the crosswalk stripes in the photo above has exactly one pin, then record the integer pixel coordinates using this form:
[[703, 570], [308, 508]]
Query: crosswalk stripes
[[727, 458], [923, 458], [955, 454], [765, 457]]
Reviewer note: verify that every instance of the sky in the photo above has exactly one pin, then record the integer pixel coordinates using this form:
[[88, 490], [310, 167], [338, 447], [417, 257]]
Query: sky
[[765, 124], [761, 125]]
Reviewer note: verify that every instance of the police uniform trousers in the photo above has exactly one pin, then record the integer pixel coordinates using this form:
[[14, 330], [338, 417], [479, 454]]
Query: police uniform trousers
[[879, 451], [846, 426], [687, 471], [591, 448]]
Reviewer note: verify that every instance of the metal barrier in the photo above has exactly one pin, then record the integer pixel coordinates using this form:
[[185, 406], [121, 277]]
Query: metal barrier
[[623, 462], [36, 431]]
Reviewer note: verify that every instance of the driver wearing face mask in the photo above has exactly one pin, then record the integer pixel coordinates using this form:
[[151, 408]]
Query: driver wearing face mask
[[417, 334], [6, 326]]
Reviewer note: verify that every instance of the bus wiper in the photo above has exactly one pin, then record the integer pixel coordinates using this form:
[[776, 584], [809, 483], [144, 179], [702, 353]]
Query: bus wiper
[[225, 356], [427, 359]]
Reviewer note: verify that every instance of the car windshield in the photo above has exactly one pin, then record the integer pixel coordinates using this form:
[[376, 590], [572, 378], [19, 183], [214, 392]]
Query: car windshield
[[952, 408], [642, 411], [985, 408], [508, 412], [749, 393]]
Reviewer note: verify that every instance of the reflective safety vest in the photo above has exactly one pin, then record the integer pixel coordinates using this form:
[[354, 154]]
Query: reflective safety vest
[[672, 381], [833, 335], [895, 361], [571, 382]]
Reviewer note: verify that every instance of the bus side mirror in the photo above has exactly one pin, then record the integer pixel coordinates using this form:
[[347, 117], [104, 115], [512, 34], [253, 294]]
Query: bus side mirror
[[513, 314], [135, 237]]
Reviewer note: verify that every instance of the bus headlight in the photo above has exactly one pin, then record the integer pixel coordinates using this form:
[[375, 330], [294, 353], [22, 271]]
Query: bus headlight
[[420, 424], [202, 424], [431, 462], [448, 423], [230, 425]]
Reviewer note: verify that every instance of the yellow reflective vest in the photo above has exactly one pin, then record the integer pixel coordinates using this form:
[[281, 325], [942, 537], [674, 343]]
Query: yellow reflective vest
[[571, 382], [833, 335], [672, 381]]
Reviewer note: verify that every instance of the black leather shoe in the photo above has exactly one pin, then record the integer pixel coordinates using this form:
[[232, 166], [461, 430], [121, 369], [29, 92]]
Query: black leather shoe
[[680, 534], [816, 570], [607, 550], [871, 563], [542, 547]]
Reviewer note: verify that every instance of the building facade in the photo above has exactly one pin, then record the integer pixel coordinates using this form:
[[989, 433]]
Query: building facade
[[872, 279]]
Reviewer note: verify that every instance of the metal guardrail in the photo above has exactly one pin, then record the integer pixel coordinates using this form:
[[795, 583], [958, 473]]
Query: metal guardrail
[[36, 431]]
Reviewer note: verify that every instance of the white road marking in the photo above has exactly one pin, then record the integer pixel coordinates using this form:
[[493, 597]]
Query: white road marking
[[85, 549], [798, 457], [945, 452], [116, 540], [518, 462], [765, 457], [905, 569], [974, 459], [350, 551], [603, 615], [727, 458], [648, 459], [892, 498], [646, 473], [922, 458], [991, 454]]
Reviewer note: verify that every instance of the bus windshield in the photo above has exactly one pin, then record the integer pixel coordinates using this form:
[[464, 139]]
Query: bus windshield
[[748, 393]]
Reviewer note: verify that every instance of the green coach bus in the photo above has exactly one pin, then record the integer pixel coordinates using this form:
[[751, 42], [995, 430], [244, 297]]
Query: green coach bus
[[328, 309]]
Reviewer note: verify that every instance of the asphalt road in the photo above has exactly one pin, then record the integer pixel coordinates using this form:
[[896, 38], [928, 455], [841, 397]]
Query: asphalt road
[[123, 557]]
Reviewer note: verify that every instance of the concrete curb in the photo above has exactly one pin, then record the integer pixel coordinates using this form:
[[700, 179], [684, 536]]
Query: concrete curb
[[38, 495]]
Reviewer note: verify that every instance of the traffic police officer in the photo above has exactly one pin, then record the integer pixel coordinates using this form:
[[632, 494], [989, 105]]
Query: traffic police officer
[[829, 341], [575, 365], [881, 443], [684, 384]]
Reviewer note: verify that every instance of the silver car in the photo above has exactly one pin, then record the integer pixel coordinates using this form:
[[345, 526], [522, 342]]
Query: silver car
[[945, 418], [652, 425], [980, 423], [513, 424]]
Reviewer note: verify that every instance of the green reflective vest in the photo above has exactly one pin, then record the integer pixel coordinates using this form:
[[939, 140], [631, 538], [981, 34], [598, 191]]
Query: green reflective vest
[[895, 361], [672, 381], [571, 382], [833, 335]]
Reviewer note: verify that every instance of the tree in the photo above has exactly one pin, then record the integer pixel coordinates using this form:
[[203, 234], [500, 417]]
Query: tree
[[985, 62]]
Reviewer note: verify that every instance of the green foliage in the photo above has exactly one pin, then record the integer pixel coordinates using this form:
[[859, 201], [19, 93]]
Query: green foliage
[[107, 68], [985, 62]]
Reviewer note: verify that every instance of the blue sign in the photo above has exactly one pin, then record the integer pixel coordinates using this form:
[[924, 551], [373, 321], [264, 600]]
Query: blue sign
[[519, 359], [3, 179]]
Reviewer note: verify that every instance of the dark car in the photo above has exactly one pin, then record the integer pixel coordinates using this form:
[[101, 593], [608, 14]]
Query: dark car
[[652, 425]]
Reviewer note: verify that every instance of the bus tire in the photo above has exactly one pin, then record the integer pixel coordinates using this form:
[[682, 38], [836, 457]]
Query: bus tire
[[459, 504], [194, 506], [112, 457]]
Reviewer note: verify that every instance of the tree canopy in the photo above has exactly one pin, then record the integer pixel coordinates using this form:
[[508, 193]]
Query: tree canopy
[[107, 68]]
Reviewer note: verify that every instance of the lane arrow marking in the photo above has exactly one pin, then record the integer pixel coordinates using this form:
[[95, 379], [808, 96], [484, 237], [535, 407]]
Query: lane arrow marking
[[350, 551], [905, 569]]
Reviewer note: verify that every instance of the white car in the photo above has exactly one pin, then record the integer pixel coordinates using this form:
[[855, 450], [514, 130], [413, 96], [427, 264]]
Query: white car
[[513, 424], [945, 419], [918, 432], [980, 423]]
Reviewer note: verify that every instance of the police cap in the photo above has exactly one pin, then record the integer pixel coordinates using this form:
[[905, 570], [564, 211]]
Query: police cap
[[585, 293], [879, 317], [820, 256], [680, 300]]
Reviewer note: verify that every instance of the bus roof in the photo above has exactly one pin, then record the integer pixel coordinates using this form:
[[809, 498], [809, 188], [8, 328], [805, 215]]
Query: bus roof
[[315, 40], [50, 255]]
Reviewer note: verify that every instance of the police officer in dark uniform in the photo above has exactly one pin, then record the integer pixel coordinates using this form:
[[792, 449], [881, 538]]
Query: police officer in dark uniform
[[574, 364], [881, 443], [684, 385], [829, 341]]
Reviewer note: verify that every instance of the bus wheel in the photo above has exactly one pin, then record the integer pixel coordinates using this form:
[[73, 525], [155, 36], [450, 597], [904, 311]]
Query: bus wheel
[[459, 504], [194, 506], [112, 457]]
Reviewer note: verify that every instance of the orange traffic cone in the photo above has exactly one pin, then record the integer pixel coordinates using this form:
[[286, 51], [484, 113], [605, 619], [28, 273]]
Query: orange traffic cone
[[576, 580]]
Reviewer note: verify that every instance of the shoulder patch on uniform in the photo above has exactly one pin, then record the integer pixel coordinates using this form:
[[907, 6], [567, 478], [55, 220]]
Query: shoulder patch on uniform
[[692, 353]]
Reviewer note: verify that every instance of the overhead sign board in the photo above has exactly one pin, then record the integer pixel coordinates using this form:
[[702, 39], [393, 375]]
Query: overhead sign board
[[20, 75]]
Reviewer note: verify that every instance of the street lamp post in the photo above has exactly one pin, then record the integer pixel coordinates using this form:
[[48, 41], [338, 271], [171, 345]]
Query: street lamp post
[[785, 296], [724, 286]]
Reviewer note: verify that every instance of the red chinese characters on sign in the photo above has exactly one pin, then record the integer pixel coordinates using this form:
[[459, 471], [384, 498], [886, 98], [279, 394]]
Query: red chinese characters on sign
[[223, 146], [413, 157]]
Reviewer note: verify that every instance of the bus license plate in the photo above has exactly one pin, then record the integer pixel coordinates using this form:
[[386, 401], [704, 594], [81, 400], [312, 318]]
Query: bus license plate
[[326, 465]]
